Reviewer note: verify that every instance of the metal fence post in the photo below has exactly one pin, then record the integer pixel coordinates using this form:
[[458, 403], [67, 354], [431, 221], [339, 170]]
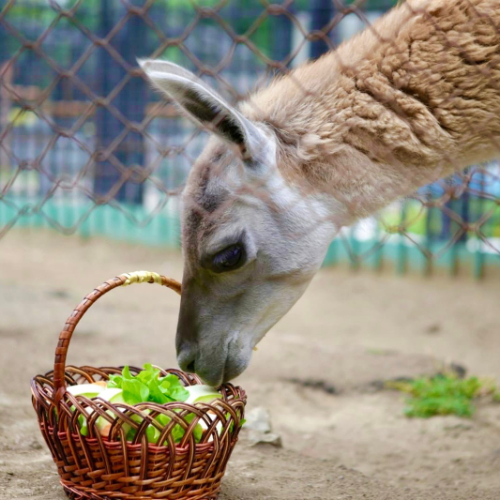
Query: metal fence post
[[6, 79], [282, 38], [322, 11], [5, 106], [131, 101]]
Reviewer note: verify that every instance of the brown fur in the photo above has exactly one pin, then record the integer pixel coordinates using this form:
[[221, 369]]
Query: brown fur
[[411, 99]]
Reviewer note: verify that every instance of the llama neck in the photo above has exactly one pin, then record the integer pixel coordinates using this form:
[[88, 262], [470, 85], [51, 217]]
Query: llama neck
[[403, 104]]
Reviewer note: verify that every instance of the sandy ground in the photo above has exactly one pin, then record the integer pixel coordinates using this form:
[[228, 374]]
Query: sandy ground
[[350, 331]]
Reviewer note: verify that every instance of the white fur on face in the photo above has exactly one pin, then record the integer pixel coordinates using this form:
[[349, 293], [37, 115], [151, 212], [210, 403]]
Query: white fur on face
[[286, 236]]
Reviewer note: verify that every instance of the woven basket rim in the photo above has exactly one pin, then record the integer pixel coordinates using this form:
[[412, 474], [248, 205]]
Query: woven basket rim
[[193, 379]]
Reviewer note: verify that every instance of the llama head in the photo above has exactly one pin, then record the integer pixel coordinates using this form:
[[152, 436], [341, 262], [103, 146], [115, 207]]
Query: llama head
[[251, 241]]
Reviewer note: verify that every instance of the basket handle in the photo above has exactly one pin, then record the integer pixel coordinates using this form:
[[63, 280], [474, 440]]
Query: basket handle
[[81, 309]]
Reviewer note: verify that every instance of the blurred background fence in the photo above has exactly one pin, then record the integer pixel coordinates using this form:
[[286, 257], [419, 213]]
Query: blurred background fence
[[86, 147]]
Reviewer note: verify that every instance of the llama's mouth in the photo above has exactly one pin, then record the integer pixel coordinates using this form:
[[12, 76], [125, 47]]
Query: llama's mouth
[[216, 372], [215, 366]]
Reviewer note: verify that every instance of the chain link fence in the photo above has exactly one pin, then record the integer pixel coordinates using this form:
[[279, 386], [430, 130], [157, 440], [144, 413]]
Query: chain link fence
[[87, 147]]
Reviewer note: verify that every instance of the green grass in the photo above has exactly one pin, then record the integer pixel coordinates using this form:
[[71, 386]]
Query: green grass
[[444, 395]]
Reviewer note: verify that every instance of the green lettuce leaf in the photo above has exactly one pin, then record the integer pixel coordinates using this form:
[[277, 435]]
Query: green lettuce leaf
[[134, 391], [115, 381], [147, 385], [172, 388], [148, 374]]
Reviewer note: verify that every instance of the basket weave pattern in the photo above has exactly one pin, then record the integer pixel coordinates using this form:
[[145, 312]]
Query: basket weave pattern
[[110, 467]]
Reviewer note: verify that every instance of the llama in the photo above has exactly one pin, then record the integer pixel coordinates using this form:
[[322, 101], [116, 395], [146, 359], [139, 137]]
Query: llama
[[413, 98]]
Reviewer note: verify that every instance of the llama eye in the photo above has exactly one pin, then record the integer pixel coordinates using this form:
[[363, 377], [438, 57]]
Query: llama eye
[[230, 258]]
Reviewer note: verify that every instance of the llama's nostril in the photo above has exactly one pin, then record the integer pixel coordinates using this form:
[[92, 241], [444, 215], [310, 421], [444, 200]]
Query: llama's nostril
[[187, 358]]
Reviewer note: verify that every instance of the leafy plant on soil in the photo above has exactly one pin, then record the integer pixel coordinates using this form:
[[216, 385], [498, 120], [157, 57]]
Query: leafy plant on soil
[[443, 394]]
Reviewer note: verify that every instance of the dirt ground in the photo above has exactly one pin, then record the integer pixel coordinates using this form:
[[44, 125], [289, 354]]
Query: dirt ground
[[350, 331]]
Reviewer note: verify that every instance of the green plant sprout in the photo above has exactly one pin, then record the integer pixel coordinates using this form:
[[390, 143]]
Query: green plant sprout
[[443, 394]]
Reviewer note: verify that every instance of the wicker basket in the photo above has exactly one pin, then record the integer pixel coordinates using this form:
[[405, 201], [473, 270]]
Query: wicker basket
[[97, 467]]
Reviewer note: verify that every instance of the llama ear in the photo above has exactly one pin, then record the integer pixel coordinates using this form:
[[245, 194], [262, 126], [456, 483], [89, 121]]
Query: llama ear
[[204, 105], [160, 66]]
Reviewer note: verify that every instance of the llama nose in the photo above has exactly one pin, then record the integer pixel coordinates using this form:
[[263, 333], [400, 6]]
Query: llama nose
[[186, 357], [187, 347]]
